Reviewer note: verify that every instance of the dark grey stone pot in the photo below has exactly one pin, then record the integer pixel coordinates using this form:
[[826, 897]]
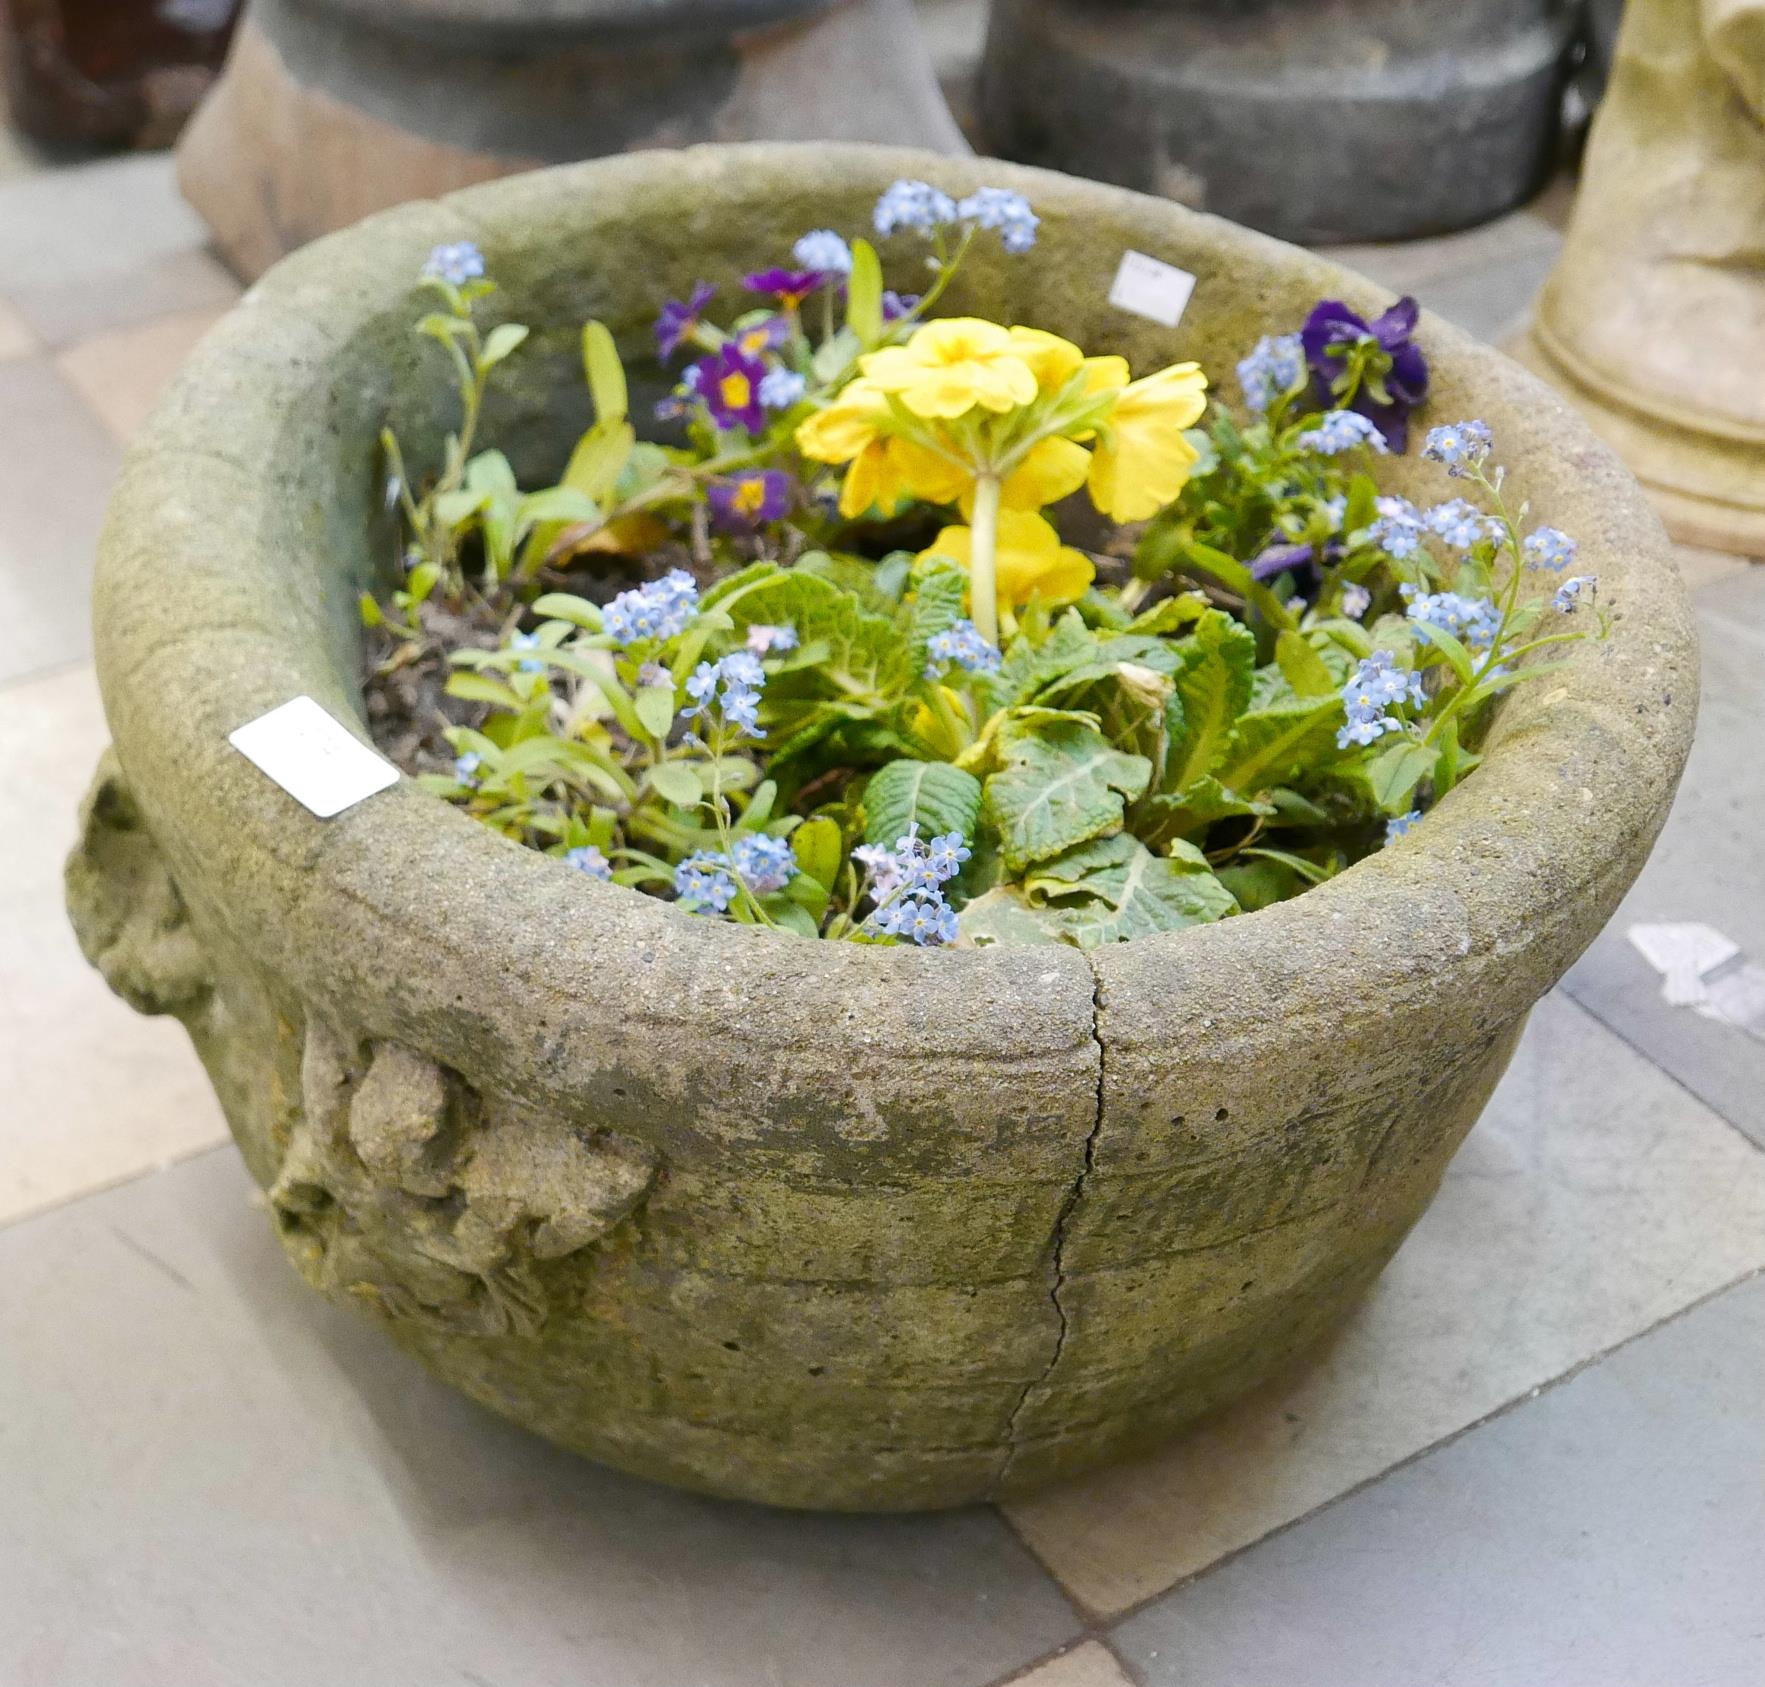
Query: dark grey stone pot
[[821, 1224], [1347, 120]]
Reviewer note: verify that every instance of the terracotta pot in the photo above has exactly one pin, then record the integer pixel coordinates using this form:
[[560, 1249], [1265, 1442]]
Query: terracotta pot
[[820, 1224]]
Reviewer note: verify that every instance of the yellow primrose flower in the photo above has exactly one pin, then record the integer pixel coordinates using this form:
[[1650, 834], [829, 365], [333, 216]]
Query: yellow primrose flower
[[1052, 470], [1144, 461], [1052, 360], [929, 474], [868, 481], [950, 366], [846, 427], [1031, 560]]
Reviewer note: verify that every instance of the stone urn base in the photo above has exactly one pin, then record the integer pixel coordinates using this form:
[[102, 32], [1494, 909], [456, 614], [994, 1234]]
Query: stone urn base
[[1357, 120], [821, 1224], [329, 110], [1653, 321], [1707, 483]]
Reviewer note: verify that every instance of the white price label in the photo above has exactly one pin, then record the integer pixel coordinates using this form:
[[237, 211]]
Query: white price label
[[313, 757], [1151, 288]]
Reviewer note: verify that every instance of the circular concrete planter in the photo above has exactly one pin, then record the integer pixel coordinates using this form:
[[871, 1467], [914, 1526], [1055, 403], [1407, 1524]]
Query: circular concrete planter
[[816, 1224]]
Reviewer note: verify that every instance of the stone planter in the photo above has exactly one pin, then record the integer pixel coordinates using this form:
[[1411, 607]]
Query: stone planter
[[818, 1224], [1354, 120], [329, 110]]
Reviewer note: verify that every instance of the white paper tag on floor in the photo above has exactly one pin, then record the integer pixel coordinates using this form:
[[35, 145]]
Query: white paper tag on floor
[[1148, 287], [1703, 969], [314, 758]]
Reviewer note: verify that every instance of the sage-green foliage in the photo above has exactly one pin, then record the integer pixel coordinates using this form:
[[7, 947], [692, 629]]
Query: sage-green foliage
[[1169, 751]]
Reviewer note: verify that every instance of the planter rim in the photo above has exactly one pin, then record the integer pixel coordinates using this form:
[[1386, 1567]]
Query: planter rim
[[1504, 875], [587, 23]]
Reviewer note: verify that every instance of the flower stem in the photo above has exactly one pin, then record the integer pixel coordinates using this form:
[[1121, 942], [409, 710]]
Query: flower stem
[[983, 582]]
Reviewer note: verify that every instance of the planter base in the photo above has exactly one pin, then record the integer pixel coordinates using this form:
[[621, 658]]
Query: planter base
[[1709, 487], [317, 122]]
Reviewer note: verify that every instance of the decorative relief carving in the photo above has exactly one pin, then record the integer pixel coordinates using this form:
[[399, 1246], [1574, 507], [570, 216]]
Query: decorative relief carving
[[125, 908], [403, 1187]]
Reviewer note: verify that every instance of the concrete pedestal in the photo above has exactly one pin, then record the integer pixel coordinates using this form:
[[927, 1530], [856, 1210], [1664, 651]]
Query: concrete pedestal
[[1348, 121], [1653, 321], [331, 109]]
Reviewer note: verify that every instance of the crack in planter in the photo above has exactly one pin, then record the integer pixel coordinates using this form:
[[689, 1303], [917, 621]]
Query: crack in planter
[[1057, 1243]]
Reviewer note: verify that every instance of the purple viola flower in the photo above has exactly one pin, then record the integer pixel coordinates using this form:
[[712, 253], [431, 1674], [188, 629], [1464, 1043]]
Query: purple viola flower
[[675, 326], [789, 286], [1378, 360], [1281, 559], [740, 503], [729, 383], [759, 338], [897, 305]]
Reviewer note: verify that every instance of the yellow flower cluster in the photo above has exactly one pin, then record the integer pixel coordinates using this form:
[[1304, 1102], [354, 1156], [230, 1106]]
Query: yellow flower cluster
[[1016, 419]]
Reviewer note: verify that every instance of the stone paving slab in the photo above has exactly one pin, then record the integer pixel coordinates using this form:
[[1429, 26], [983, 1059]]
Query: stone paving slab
[[101, 245], [90, 1091], [1709, 866], [1610, 1533], [1594, 1199], [58, 466], [214, 1478], [1089, 1665]]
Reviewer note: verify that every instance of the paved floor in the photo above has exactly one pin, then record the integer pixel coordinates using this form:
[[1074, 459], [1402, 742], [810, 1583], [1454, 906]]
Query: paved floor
[[1535, 1458]]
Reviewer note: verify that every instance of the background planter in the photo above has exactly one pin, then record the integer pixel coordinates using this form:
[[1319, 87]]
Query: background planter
[[331, 109], [1345, 120], [809, 1223]]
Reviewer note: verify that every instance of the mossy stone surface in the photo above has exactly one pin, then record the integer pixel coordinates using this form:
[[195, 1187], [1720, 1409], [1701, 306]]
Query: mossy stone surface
[[817, 1224]]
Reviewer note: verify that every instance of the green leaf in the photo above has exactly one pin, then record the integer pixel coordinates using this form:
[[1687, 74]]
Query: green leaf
[[790, 915], [852, 574], [864, 294], [369, 611], [481, 688], [1060, 782], [606, 374], [500, 343], [1002, 918], [1271, 745], [1305, 669], [676, 782], [599, 459], [558, 507], [1458, 658], [759, 809], [1260, 884], [566, 606], [655, 708], [1113, 889], [423, 580], [820, 850], [1190, 811], [489, 475], [934, 796], [1029, 668], [1235, 577], [940, 590], [1214, 685], [1396, 771], [866, 664], [834, 355], [1171, 614], [1310, 871]]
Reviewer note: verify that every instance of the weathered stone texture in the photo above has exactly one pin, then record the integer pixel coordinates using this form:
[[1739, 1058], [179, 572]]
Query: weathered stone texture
[[817, 1224]]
